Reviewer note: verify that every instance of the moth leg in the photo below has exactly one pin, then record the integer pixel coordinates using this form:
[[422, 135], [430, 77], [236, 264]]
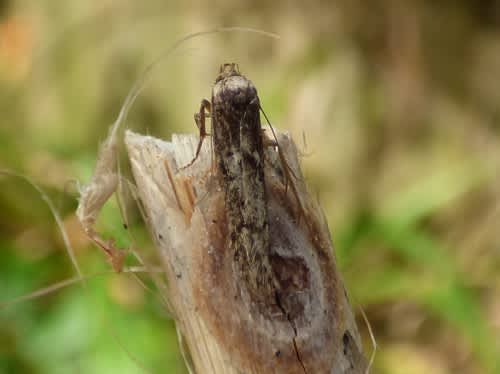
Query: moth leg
[[200, 120]]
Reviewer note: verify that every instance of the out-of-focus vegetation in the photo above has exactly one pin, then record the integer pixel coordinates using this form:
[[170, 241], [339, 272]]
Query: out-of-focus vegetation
[[398, 103]]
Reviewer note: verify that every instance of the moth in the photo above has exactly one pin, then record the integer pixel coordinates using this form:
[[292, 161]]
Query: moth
[[239, 157]]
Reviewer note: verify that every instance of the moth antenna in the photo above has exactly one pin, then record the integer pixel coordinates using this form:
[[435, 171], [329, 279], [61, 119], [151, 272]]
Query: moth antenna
[[277, 143], [286, 168]]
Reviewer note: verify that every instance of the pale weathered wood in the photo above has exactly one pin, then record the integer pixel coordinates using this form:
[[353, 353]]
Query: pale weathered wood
[[223, 328]]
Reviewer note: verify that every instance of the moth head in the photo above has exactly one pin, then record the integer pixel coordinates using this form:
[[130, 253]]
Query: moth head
[[228, 70]]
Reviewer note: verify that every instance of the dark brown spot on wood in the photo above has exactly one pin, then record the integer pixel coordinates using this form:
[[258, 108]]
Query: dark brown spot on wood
[[293, 279], [345, 341]]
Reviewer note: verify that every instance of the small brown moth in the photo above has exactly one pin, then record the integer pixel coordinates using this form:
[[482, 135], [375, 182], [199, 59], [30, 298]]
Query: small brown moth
[[239, 158]]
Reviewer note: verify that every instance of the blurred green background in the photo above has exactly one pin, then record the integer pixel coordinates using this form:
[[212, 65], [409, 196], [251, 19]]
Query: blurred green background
[[395, 104]]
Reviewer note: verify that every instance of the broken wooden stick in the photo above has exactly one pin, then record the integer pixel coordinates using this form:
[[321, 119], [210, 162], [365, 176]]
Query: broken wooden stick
[[224, 329], [249, 263]]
